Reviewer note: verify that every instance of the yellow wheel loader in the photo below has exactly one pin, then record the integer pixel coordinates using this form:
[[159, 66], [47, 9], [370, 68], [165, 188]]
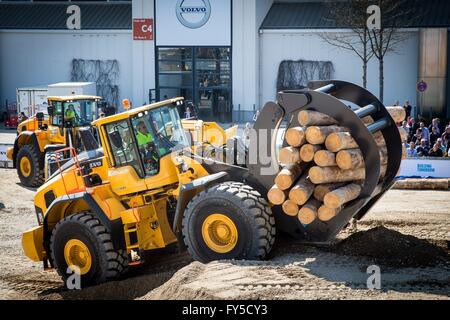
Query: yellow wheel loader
[[145, 189], [41, 134]]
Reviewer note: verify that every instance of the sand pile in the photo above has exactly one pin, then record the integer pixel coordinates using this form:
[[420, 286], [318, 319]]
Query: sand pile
[[391, 248]]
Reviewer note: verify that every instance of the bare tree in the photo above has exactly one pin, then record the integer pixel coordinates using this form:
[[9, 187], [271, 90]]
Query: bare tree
[[351, 15], [394, 15], [368, 43]]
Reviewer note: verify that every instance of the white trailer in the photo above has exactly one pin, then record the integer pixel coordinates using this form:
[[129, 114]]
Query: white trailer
[[72, 88], [31, 100]]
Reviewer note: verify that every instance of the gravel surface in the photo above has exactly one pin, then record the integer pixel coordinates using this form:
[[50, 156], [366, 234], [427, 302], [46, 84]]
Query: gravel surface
[[411, 249]]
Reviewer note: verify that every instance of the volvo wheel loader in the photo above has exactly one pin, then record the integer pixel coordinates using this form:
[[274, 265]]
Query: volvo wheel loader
[[146, 190], [67, 118]]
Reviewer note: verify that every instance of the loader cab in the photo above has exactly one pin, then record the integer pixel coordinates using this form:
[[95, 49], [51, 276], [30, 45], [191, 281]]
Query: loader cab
[[72, 112], [143, 142]]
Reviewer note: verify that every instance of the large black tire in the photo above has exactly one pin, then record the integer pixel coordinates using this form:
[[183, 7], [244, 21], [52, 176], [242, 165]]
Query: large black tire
[[245, 207], [107, 263], [35, 178]]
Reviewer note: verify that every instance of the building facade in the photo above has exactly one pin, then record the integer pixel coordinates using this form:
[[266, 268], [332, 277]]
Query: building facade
[[228, 57]]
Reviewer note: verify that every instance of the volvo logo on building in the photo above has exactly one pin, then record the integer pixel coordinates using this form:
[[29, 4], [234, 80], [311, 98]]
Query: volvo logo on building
[[193, 14]]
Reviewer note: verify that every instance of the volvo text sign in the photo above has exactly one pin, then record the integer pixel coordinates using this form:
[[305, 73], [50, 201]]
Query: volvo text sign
[[193, 16]]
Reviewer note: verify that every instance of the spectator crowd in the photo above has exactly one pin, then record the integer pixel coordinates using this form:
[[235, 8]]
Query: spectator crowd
[[425, 141]]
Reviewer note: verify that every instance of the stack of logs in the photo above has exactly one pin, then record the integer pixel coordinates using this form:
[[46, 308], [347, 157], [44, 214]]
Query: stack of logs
[[323, 167]]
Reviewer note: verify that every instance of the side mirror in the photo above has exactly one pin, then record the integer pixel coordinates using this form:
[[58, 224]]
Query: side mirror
[[116, 139], [40, 116], [50, 110]]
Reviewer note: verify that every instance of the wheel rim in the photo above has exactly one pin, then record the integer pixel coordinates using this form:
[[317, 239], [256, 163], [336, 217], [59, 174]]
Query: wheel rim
[[77, 254], [219, 233], [25, 167]]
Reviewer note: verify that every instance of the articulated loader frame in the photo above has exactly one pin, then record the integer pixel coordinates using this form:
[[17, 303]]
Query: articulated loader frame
[[328, 97]]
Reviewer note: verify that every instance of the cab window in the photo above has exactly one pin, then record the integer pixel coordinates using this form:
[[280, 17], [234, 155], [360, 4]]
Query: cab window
[[58, 114], [122, 145]]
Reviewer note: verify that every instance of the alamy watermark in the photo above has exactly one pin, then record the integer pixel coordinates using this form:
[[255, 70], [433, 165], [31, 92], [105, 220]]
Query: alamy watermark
[[374, 19], [374, 280], [73, 281]]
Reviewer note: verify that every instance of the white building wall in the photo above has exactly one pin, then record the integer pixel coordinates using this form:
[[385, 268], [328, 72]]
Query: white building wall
[[143, 56], [30, 58], [401, 68], [247, 18]]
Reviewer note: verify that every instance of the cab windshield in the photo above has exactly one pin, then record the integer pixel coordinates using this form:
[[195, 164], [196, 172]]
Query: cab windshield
[[78, 113], [160, 129]]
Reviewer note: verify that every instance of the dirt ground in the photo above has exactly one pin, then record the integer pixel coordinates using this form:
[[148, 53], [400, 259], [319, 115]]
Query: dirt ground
[[406, 234]]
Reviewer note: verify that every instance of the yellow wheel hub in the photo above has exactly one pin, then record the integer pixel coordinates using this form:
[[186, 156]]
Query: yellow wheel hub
[[77, 255], [219, 233], [25, 167]]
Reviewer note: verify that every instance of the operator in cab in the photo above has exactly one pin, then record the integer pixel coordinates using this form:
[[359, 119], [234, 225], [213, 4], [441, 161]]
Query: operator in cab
[[147, 147], [70, 114]]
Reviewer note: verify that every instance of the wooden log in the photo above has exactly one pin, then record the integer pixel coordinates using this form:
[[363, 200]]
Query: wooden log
[[302, 191], [290, 208], [326, 214], [353, 158], [277, 196], [404, 153], [325, 158], [341, 196], [338, 141], [308, 151], [314, 118], [287, 176], [318, 134], [319, 175], [289, 155], [296, 137], [322, 189], [422, 184], [308, 213], [397, 113]]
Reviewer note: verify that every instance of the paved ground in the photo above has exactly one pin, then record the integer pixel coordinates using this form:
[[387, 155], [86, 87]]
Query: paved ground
[[293, 271]]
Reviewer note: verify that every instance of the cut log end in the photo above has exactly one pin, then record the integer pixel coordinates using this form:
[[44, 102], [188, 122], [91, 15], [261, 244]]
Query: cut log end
[[295, 137], [325, 158], [290, 208], [276, 196], [326, 214]]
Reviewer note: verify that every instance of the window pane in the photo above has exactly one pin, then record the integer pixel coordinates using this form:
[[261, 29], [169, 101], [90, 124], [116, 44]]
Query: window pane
[[213, 53], [175, 80], [123, 147], [174, 53], [169, 65]]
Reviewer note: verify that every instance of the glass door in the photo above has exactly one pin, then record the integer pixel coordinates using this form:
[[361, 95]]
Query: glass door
[[202, 75]]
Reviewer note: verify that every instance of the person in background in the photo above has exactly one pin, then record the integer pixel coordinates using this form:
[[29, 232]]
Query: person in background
[[417, 137], [434, 135], [446, 139], [412, 152], [102, 115], [396, 103], [425, 131], [436, 151], [435, 123], [413, 126], [188, 113], [22, 117], [408, 108], [422, 149], [405, 126]]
